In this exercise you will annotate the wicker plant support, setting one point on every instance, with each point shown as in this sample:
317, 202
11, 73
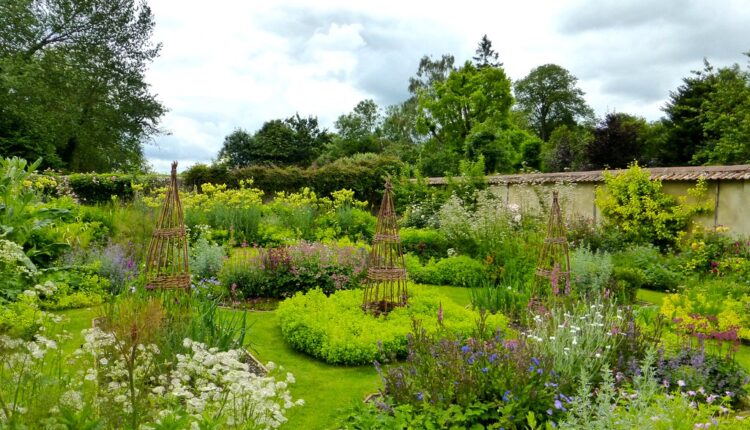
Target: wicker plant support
385, 286
167, 258
553, 269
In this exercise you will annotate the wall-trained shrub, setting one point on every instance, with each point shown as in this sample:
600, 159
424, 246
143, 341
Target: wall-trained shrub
336, 330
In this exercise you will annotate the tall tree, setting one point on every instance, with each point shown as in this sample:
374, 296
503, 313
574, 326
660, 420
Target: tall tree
726, 119
550, 98
431, 72
238, 149
566, 149
617, 141
293, 141
684, 117
485, 55
357, 131
72, 85
467, 115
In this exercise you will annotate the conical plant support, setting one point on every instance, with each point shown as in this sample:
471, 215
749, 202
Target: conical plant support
167, 258
385, 286
553, 269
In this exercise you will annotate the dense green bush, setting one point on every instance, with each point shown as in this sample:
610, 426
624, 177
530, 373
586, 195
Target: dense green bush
93, 188
337, 331
645, 267
636, 206
424, 243
459, 270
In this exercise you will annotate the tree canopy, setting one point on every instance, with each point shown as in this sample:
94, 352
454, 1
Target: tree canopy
549, 96
293, 141
72, 87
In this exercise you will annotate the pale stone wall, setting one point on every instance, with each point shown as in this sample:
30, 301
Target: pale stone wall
732, 207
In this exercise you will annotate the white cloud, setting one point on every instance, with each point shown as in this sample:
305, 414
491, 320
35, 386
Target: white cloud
232, 64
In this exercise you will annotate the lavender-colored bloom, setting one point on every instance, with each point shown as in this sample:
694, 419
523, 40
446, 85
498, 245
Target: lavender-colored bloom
420, 396
485, 370
506, 395
535, 361
465, 349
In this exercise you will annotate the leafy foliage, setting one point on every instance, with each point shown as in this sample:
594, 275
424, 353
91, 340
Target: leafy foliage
636, 205
72, 82
548, 95
335, 330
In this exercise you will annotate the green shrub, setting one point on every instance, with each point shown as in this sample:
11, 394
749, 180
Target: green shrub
634, 204
337, 331
459, 270
422, 274
645, 267
95, 188
424, 243
206, 259
591, 272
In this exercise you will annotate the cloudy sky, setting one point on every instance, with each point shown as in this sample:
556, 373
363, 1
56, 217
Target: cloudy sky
229, 64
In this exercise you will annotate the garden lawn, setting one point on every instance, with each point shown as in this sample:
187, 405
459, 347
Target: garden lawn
656, 297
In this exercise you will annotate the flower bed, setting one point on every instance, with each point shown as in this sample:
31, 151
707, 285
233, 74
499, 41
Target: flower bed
337, 331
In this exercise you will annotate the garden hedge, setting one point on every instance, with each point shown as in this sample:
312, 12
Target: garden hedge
363, 174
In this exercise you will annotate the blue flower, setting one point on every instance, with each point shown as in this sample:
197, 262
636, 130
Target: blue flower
485, 370
549, 412
559, 405
535, 361
465, 349
420, 396
493, 357
506, 395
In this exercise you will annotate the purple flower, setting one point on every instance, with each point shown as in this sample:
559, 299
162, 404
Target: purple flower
559, 405
506, 396
465, 349
420, 396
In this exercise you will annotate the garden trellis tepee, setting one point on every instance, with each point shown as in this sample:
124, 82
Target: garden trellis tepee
553, 269
167, 258
385, 287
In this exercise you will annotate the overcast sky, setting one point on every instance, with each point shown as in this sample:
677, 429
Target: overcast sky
228, 64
